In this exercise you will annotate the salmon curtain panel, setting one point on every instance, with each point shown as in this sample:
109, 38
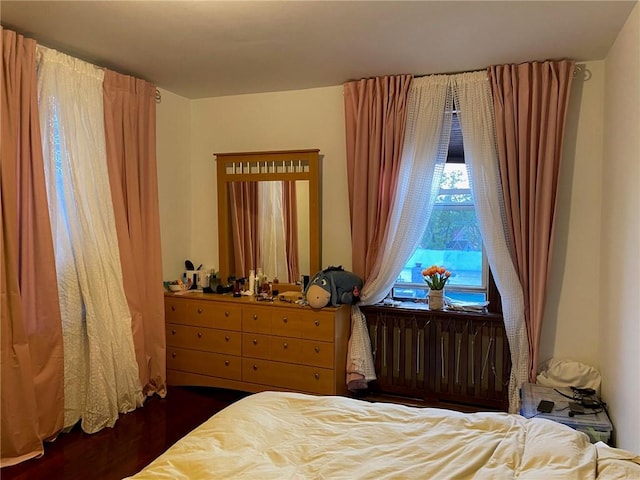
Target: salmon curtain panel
530, 103
376, 112
375, 118
243, 208
31, 335
130, 120
290, 212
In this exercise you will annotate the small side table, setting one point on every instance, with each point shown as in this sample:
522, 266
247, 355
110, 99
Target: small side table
596, 425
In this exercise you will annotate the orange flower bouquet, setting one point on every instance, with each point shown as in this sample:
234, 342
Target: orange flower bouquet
436, 277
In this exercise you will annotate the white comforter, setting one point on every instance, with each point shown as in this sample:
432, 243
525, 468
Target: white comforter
274, 435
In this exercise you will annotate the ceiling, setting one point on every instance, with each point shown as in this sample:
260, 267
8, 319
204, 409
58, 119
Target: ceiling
200, 49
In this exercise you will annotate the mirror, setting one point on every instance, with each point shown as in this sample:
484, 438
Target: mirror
269, 223
240, 176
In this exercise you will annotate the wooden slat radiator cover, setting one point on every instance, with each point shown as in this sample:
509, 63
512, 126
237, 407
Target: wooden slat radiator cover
438, 357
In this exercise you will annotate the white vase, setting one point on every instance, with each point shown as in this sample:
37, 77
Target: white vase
436, 299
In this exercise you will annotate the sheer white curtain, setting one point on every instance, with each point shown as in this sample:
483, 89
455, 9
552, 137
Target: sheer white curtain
100, 369
273, 253
423, 157
424, 154
472, 93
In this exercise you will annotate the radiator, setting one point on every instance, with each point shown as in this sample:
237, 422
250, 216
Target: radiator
440, 356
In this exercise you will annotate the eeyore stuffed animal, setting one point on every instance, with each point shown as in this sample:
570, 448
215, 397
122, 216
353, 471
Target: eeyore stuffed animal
333, 286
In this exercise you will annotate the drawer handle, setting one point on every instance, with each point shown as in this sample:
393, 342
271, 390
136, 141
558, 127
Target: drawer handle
285, 345
255, 316
226, 363
226, 314
284, 319
199, 310
316, 376
199, 334
255, 368
226, 338
317, 323
173, 332
174, 354
316, 349
255, 341
173, 308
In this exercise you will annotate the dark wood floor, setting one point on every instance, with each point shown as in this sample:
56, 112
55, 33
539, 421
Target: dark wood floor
137, 438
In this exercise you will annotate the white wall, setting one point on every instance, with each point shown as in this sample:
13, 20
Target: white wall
174, 177
620, 236
271, 121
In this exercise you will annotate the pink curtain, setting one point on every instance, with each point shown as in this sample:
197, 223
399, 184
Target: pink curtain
31, 330
530, 103
290, 213
130, 120
375, 118
243, 208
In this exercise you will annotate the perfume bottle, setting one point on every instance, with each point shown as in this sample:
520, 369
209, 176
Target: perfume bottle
252, 282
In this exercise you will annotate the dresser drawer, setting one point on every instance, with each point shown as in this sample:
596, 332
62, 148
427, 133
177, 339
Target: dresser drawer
287, 375
200, 338
286, 323
316, 380
318, 326
227, 317
200, 313
256, 320
204, 363
256, 345
285, 349
318, 354
175, 310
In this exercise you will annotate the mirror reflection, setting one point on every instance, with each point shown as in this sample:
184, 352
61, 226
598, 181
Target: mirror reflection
269, 228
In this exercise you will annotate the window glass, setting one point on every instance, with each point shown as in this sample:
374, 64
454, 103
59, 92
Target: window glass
452, 239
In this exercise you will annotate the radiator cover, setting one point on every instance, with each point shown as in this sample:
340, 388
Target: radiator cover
440, 356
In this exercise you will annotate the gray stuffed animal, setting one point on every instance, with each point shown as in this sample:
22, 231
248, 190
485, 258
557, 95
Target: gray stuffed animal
333, 286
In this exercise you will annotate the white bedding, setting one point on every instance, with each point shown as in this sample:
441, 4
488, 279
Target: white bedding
274, 435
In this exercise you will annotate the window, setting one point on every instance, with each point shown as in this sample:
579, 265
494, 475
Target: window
452, 238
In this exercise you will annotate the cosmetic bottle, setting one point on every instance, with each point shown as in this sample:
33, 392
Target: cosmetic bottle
252, 282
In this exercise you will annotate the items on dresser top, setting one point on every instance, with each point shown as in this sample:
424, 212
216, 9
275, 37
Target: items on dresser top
241, 343
291, 297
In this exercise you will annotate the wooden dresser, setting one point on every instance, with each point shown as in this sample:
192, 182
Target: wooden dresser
240, 343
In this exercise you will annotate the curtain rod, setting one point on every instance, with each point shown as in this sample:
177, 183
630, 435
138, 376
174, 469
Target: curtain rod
579, 69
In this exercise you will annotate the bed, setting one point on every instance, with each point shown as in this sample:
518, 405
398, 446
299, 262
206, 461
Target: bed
277, 435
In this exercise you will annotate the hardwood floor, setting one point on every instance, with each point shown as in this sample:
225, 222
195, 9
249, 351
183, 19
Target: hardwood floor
137, 438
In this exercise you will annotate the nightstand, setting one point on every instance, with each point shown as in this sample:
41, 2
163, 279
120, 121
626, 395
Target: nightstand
596, 425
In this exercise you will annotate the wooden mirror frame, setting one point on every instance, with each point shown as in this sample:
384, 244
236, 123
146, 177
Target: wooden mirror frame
269, 166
